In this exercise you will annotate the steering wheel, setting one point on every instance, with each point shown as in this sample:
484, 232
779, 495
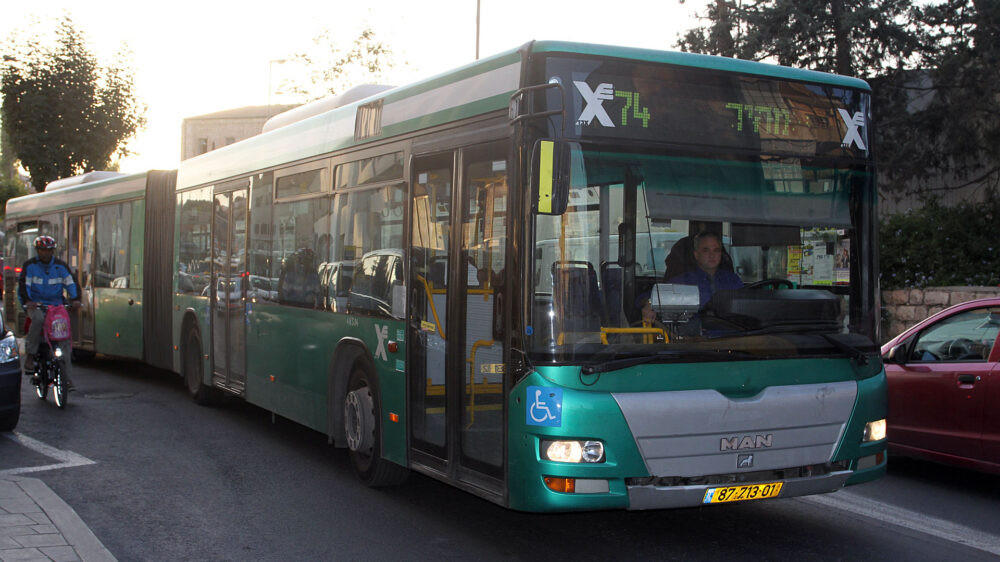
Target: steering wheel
960, 348
774, 283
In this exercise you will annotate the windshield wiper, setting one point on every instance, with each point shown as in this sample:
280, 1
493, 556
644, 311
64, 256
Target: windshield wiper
612, 364
828, 333
859, 356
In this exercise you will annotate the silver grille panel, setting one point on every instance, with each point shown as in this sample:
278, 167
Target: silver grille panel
685, 433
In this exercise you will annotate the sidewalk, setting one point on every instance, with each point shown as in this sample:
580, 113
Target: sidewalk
36, 525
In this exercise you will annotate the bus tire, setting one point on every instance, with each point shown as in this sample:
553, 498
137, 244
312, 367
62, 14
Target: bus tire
363, 429
192, 366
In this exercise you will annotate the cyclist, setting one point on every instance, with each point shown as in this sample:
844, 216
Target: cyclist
45, 280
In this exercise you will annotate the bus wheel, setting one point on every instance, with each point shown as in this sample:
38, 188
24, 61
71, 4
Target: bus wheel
362, 426
201, 393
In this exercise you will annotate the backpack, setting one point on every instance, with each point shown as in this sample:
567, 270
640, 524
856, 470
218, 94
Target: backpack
57, 326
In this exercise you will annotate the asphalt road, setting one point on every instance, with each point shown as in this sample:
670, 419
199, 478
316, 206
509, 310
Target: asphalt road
157, 477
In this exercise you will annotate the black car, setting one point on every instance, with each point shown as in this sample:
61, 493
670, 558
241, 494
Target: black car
10, 379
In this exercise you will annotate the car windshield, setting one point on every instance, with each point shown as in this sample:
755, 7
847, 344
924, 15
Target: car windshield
626, 269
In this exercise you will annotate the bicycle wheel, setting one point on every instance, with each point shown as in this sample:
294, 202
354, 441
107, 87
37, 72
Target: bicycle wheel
59, 390
41, 385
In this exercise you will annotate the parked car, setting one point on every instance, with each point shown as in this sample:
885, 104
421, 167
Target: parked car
10, 379
944, 387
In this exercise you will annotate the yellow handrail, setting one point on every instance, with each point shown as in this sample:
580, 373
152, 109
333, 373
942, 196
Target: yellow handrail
430, 300
646, 329
648, 334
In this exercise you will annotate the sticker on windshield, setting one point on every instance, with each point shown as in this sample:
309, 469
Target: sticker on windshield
544, 406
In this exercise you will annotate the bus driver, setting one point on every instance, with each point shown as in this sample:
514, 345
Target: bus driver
708, 276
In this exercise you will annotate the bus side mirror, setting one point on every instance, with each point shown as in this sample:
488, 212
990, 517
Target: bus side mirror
550, 175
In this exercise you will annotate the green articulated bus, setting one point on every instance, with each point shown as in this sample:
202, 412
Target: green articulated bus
485, 277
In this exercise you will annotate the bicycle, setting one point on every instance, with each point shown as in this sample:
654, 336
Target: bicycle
50, 363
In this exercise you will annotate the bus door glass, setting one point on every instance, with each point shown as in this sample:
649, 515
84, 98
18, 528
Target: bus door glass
81, 260
427, 342
228, 289
483, 197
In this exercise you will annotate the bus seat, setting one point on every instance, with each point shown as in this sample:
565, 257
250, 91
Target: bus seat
577, 296
612, 279
437, 272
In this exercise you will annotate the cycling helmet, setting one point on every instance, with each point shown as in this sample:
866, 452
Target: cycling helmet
45, 243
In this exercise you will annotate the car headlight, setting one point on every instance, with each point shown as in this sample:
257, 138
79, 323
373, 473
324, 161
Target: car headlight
874, 431
589, 451
8, 349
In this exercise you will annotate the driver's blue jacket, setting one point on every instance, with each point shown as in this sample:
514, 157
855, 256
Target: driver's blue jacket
45, 282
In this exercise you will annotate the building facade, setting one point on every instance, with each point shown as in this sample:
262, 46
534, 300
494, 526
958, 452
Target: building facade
205, 133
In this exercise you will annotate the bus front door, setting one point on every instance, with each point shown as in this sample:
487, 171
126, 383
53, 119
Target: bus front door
456, 363
80, 251
229, 290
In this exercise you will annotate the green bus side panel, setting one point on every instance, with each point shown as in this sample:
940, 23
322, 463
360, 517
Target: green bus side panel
872, 404
117, 324
290, 356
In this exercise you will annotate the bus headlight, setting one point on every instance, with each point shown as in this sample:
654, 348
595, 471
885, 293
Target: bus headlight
8, 349
573, 451
874, 431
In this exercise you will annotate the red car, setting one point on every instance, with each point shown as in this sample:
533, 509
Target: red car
944, 387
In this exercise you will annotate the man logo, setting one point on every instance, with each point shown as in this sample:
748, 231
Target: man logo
595, 99
853, 123
738, 443
744, 461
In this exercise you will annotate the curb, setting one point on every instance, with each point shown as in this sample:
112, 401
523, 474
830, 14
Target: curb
73, 529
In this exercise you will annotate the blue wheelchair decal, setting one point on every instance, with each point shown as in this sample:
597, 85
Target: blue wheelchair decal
544, 406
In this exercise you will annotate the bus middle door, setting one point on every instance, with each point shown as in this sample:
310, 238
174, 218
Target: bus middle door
229, 287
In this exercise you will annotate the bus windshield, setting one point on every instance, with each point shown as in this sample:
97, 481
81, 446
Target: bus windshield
617, 273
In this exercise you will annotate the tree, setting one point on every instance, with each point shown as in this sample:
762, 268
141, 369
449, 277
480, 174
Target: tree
936, 92
850, 37
63, 114
941, 123
9, 189
331, 70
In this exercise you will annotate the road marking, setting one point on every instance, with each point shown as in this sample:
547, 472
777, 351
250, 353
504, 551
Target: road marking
920, 522
67, 459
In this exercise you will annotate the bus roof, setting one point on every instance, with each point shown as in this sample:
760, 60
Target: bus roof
117, 188
696, 60
477, 88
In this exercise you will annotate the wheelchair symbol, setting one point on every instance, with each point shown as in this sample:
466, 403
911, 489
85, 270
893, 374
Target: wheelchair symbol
545, 407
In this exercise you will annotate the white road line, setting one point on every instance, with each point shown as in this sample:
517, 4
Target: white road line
913, 520
67, 459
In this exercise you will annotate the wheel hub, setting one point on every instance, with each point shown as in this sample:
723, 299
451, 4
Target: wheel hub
359, 420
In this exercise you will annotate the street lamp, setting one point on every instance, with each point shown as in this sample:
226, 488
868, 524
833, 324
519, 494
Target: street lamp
478, 2
270, 70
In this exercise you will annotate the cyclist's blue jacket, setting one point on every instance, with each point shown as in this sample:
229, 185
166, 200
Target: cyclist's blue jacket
45, 282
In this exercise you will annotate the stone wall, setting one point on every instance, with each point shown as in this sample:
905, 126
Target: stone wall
903, 308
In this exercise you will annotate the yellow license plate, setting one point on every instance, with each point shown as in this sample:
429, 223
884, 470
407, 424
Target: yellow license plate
742, 493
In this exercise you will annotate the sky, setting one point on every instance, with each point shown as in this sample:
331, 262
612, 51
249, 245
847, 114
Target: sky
192, 58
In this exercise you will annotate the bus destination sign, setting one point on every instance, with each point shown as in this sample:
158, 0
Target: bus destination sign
675, 104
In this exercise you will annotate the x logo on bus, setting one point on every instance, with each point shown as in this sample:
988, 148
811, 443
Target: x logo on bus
853, 123
595, 99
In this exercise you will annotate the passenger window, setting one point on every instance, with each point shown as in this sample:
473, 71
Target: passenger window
194, 247
301, 244
114, 228
367, 249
